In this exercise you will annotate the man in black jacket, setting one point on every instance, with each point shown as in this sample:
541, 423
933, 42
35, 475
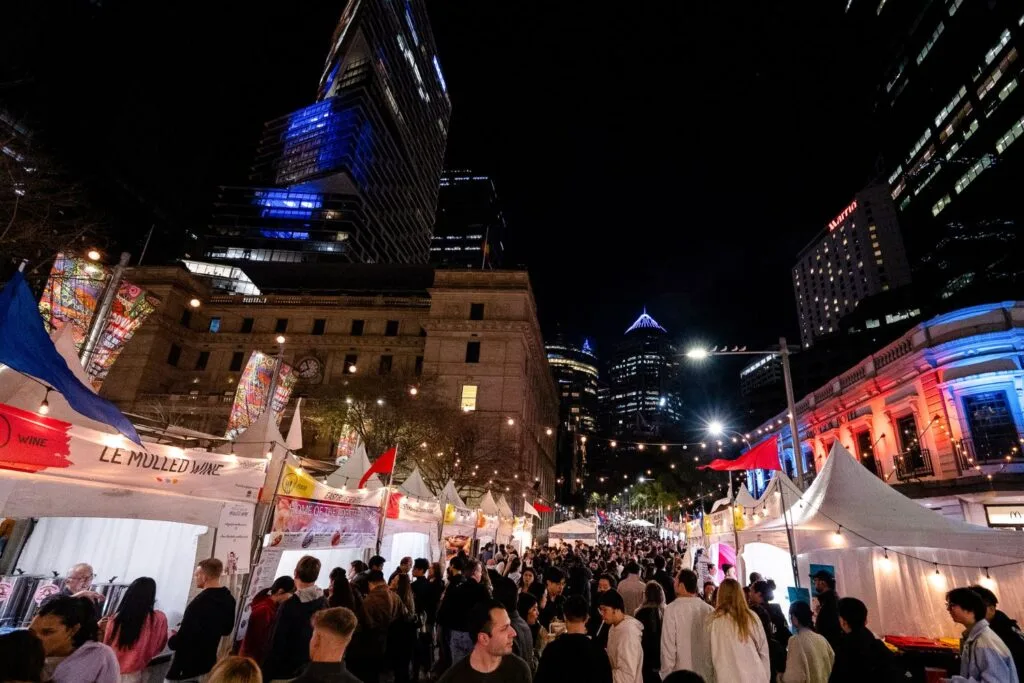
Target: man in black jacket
1003, 626
288, 651
553, 601
458, 602
332, 632
827, 621
209, 616
664, 578
860, 656
573, 656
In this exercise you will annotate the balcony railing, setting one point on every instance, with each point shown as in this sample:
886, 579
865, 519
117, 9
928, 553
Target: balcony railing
914, 464
971, 452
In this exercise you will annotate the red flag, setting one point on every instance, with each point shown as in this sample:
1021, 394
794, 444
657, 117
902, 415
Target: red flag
763, 456
383, 465
394, 505
541, 507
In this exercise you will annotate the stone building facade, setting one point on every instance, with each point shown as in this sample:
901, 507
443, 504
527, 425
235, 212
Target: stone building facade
473, 334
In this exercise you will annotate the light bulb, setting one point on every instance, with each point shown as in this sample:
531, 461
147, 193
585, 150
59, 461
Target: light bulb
44, 407
93, 255
194, 302
270, 454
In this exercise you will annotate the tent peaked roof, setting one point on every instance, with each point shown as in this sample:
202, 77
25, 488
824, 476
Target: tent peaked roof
257, 438
352, 470
488, 506
744, 498
415, 486
451, 495
873, 513
504, 509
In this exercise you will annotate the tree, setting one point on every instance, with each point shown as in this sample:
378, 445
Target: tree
42, 211
445, 442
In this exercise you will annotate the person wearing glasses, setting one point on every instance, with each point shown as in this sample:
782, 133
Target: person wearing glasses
983, 655
78, 584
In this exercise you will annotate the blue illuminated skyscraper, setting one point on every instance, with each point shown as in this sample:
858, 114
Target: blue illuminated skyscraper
354, 176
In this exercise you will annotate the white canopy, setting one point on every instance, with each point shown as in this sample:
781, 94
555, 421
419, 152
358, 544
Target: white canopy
574, 530
352, 470
744, 498
780, 490
504, 509
488, 506
415, 486
639, 522
872, 513
451, 496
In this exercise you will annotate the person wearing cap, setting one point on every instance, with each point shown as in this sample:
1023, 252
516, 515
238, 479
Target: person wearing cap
827, 621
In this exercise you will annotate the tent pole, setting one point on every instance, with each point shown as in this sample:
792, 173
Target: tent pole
789, 534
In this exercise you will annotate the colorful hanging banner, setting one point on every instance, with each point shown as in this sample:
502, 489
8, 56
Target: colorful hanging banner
347, 443
253, 388
311, 524
71, 296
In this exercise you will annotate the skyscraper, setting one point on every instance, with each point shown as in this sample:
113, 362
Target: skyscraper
470, 227
354, 176
575, 371
858, 254
950, 110
643, 382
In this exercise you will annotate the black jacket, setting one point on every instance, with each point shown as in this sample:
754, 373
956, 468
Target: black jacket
650, 618
209, 616
1009, 632
288, 651
862, 658
427, 595
458, 602
326, 672
667, 585
554, 609
573, 657
827, 623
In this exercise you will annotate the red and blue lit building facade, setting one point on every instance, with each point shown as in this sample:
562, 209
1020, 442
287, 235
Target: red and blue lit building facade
354, 176
937, 413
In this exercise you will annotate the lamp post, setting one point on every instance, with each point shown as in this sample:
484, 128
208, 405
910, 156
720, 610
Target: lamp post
783, 352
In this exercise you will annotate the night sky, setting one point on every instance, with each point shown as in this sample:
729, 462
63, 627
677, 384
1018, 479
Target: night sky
669, 154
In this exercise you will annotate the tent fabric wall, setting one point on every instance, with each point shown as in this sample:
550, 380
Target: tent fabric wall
125, 548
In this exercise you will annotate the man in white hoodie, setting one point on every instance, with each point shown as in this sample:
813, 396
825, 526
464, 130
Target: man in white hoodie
625, 651
685, 638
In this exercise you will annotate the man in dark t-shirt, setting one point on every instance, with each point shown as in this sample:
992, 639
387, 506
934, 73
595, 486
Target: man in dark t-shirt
491, 660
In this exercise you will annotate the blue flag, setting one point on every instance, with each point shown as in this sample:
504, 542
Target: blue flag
26, 347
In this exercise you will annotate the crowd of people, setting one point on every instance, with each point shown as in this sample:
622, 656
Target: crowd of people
624, 611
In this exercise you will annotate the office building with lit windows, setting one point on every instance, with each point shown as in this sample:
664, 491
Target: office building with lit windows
950, 111
352, 177
643, 397
574, 368
858, 254
469, 230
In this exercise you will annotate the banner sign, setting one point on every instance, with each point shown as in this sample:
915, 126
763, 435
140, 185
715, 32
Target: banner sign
234, 537
71, 297
72, 293
41, 445
310, 524
131, 306
347, 443
295, 482
453, 544
253, 388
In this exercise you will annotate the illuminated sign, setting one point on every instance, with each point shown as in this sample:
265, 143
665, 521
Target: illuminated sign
842, 216
1005, 515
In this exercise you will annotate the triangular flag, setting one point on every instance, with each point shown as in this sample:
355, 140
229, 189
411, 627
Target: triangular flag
529, 509
384, 464
294, 439
763, 456
541, 507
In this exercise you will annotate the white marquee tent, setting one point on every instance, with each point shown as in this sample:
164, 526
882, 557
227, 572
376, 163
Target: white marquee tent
573, 530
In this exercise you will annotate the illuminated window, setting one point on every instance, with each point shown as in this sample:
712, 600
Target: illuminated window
1016, 130
950, 106
972, 173
214, 325
919, 144
468, 401
928, 46
954, 5
994, 77
940, 205
1004, 38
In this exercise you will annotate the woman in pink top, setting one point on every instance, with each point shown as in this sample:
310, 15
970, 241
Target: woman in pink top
137, 633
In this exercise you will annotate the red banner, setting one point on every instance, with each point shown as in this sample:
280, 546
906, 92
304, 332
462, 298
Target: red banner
31, 442
763, 456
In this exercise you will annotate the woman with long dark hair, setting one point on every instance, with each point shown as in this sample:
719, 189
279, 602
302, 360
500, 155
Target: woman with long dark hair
261, 617
402, 631
67, 626
651, 614
341, 590
137, 632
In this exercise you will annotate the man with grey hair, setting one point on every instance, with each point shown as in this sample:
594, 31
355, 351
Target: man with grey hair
78, 584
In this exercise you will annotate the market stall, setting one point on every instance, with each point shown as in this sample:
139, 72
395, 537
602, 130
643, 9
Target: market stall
506, 521
573, 530
886, 549
458, 527
414, 531
488, 520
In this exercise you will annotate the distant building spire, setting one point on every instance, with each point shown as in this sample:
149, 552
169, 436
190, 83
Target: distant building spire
645, 322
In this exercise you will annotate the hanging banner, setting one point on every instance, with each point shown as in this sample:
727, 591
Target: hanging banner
234, 537
253, 388
347, 443
41, 445
71, 295
295, 482
130, 308
455, 543
739, 521
311, 524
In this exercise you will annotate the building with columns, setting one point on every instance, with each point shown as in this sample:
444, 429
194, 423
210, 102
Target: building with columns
474, 334
936, 413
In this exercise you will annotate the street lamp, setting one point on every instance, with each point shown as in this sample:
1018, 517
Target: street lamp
783, 352
715, 428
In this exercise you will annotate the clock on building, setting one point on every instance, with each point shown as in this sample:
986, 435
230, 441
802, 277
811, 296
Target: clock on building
309, 368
